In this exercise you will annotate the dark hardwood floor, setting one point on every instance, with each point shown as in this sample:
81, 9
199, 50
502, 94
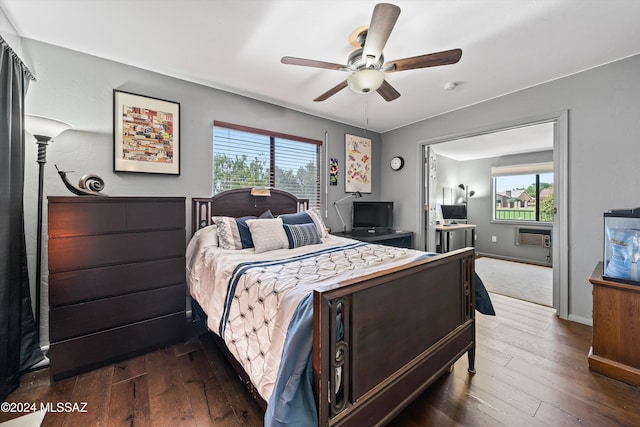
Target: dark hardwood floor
531, 371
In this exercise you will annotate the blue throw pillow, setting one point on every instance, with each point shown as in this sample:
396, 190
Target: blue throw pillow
245, 234
302, 234
296, 218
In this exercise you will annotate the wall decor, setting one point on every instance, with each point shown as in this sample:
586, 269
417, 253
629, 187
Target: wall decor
146, 134
89, 184
333, 171
357, 164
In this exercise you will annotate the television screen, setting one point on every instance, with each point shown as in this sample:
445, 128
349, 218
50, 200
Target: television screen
372, 215
454, 212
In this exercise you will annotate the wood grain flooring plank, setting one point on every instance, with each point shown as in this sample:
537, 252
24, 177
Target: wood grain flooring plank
92, 391
61, 391
208, 399
128, 369
248, 411
129, 404
167, 401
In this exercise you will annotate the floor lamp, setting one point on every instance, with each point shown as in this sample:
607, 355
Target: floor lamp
43, 129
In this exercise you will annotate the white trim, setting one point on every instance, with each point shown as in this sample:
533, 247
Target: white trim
504, 170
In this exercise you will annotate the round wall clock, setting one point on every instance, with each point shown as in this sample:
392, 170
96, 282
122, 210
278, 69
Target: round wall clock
397, 163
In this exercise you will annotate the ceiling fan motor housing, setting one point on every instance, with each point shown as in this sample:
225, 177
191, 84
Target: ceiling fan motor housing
356, 61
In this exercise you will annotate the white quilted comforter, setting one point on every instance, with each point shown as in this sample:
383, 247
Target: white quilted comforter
250, 298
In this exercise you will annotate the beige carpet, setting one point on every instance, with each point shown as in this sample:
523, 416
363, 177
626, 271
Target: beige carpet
527, 282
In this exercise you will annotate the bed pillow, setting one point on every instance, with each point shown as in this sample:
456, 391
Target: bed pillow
243, 229
302, 235
317, 219
306, 217
207, 236
268, 234
228, 233
266, 214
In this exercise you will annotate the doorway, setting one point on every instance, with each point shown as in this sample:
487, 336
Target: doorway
434, 164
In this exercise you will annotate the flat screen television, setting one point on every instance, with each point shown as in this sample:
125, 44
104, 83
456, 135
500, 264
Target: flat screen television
454, 212
372, 215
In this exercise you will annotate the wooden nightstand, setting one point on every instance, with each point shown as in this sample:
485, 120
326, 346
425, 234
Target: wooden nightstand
116, 279
400, 239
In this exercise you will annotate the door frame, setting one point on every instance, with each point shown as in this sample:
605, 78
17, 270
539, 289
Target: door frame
560, 233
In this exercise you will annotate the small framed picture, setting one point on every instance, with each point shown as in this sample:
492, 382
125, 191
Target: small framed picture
146, 134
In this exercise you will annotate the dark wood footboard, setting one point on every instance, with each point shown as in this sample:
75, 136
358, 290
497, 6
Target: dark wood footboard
381, 339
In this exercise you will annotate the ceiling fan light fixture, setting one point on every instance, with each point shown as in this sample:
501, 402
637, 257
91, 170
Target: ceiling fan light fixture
365, 80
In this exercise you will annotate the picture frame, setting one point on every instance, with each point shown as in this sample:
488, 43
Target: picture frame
357, 164
146, 134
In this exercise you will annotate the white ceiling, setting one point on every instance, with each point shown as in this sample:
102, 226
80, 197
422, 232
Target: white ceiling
236, 45
526, 139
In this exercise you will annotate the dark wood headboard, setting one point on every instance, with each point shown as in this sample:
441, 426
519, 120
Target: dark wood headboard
240, 202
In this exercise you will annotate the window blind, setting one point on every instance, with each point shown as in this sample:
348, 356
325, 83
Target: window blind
249, 157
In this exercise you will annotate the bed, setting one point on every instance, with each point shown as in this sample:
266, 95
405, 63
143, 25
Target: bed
326, 330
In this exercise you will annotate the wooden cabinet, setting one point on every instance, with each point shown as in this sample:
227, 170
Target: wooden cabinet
400, 239
116, 279
615, 351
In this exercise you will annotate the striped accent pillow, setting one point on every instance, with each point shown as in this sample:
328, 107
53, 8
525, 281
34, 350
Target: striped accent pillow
302, 234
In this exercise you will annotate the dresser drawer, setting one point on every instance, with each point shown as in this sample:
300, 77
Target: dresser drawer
76, 253
76, 286
78, 319
80, 354
89, 216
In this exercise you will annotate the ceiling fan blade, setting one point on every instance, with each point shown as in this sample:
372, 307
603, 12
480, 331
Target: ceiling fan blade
446, 57
311, 63
388, 92
331, 91
382, 22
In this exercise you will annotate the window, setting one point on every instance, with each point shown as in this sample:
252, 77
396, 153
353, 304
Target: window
523, 192
249, 157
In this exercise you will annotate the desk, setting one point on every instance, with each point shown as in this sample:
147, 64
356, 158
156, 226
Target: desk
446, 230
400, 239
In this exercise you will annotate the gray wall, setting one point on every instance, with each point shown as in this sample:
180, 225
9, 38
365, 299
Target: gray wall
603, 154
78, 88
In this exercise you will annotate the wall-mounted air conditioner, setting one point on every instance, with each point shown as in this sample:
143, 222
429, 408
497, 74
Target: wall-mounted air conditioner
540, 237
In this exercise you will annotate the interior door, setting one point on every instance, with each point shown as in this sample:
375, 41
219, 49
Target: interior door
430, 211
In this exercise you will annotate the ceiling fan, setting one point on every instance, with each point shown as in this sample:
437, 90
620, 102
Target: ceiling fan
366, 63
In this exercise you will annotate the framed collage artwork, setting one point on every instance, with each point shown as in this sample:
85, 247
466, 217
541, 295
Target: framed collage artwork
146, 134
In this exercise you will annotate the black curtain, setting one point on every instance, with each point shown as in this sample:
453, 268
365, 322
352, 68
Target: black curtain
19, 346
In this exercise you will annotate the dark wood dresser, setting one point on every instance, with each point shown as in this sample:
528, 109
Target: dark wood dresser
116, 279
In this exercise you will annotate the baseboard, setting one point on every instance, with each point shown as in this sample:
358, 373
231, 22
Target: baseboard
514, 259
579, 319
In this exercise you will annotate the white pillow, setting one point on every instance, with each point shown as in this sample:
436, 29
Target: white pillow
317, 219
228, 233
208, 235
268, 234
